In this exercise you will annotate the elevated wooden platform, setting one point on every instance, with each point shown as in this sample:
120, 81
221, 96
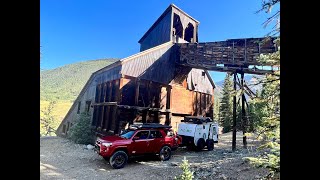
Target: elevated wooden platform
227, 56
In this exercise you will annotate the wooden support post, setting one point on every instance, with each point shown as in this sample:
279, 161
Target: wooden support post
97, 109
144, 116
168, 105
234, 132
156, 117
136, 97
108, 99
117, 121
243, 115
149, 100
104, 91
168, 118
135, 114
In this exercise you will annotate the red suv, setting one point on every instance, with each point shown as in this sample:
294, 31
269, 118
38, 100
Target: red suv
148, 138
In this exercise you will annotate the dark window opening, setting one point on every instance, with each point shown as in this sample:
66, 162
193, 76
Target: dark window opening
128, 94
68, 126
64, 128
155, 91
188, 33
79, 106
115, 87
177, 26
88, 104
103, 93
143, 100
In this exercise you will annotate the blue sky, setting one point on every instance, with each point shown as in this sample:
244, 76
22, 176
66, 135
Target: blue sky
80, 30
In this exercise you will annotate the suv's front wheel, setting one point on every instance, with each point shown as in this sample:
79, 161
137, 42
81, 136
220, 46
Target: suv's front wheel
165, 153
118, 159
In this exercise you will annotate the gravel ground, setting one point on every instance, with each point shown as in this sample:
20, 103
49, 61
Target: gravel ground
62, 159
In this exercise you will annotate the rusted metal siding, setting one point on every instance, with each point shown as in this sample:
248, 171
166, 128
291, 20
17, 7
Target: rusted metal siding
159, 34
156, 65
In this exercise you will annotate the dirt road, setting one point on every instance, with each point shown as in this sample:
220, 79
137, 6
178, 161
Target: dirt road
62, 159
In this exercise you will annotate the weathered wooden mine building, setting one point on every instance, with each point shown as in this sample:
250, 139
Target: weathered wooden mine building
148, 86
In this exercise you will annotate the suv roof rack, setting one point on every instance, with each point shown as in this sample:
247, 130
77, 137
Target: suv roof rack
149, 125
196, 119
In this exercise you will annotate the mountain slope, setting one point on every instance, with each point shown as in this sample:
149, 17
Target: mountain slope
66, 82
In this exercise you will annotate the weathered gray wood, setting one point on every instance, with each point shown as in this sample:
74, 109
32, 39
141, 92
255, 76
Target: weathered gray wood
234, 128
239, 52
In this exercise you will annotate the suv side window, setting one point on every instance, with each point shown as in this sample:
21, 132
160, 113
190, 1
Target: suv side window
155, 134
142, 134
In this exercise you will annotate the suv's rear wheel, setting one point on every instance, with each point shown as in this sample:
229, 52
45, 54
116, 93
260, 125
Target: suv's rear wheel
118, 159
165, 153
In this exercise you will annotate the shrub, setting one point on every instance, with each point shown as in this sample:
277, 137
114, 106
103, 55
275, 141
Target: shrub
80, 132
186, 174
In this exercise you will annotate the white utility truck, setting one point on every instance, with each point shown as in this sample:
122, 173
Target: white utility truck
198, 132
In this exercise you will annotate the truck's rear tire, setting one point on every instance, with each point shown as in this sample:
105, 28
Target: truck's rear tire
118, 159
200, 144
210, 144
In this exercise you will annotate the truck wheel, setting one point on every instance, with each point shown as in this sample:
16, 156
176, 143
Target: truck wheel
200, 144
165, 153
118, 159
210, 144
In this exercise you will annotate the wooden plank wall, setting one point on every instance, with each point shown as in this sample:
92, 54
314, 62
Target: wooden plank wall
104, 117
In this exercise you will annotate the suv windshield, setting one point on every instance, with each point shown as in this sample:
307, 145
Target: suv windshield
127, 134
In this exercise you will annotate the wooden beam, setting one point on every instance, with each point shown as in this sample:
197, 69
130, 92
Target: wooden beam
243, 115
108, 99
136, 96
214, 67
105, 104
144, 116
168, 105
104, 92
234, 131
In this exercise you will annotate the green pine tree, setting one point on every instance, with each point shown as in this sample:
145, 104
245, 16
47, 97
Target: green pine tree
226, 104
186, 174
80, 132
48, 124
